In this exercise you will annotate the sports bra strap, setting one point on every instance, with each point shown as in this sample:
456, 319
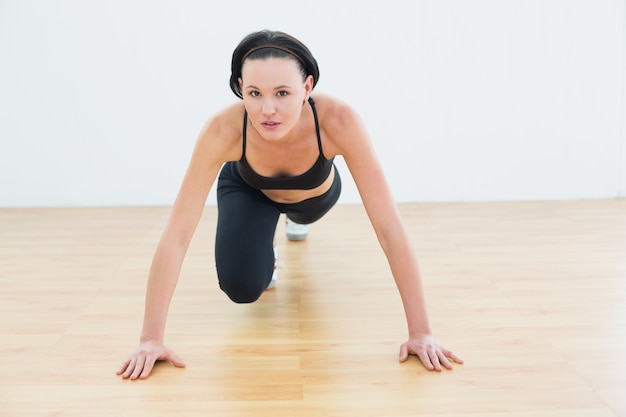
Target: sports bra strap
317, 126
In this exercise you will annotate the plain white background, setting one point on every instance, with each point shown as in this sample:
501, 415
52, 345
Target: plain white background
465, 100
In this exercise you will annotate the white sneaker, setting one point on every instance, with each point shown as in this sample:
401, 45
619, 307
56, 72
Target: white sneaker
296, 231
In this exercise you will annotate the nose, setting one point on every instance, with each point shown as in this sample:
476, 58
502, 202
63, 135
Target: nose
269, 107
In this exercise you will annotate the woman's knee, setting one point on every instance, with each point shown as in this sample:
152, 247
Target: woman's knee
242, 288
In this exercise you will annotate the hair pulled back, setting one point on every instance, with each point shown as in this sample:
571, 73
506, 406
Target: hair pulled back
271, 44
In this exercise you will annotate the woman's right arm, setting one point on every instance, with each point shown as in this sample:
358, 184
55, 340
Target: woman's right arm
217, 143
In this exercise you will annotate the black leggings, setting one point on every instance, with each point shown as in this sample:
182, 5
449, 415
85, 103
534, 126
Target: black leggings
246, 224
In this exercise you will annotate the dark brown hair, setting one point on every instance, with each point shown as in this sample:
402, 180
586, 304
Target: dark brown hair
271, 44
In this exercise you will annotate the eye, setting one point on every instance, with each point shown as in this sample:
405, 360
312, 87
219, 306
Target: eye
254, 93
282, 93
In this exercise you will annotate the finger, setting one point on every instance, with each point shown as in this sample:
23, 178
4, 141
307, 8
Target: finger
444, 360
147, 367
404, 353
123, 367
453, 356
175, 360
139, 365
434, 359
423, 355
129, 369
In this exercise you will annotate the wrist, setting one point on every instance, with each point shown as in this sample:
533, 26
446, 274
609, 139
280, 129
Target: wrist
144, 338
420, 329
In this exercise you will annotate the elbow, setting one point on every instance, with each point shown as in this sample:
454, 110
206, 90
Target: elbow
392, 235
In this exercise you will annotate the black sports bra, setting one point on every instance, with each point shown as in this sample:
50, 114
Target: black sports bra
314, 177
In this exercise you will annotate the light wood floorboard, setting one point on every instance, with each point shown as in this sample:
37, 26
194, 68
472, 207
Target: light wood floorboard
531, 294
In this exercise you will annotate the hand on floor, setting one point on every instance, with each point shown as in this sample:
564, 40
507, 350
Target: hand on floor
141, 361
432, 355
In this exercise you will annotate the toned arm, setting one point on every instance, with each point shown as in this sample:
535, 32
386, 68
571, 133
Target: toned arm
218, 142
350, 138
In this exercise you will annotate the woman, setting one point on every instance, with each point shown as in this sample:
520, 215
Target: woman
274, 154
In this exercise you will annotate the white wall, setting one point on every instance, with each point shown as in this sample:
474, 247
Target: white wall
622, 192
101, 102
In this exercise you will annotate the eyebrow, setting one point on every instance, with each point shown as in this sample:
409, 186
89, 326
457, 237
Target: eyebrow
280, 87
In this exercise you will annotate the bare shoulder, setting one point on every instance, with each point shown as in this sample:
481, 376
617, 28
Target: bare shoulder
222, 132
340, 123
334, 114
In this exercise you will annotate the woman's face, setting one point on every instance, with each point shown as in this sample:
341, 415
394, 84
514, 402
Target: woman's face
273, 94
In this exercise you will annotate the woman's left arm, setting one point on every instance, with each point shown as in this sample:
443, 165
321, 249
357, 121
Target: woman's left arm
354, 144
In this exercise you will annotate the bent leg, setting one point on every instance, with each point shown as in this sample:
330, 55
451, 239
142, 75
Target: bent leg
244, 254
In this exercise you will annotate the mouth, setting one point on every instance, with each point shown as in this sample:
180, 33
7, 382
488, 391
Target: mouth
270, 124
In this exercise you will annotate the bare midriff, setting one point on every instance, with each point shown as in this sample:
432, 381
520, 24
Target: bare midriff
296, 196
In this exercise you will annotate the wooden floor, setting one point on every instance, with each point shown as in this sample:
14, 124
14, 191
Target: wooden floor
531, 295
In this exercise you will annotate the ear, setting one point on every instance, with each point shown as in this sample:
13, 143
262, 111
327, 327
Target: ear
308, 87
240, 81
